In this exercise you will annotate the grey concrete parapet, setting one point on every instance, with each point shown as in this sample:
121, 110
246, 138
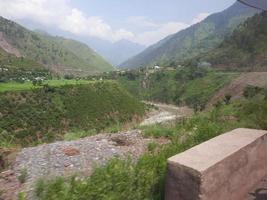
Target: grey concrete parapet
223, 168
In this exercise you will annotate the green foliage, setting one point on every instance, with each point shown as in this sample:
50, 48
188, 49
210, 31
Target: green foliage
158, 131
68, 56
74, 135
252, 91
192, 86
20, 69
46, 114
27, 86
254, 112
144, 179
227, 99
244, 49
22, 196
23, 176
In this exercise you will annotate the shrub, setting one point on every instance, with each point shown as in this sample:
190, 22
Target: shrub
23, 176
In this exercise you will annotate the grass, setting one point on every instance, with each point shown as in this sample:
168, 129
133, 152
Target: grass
47, 114
23, 176
199, 91
74, 135
144, 179
14, 86
187, 86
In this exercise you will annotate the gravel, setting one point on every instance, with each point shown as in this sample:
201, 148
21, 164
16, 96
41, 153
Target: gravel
66, 158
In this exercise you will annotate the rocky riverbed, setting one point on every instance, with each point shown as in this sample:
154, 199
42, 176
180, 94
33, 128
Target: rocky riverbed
66, 158
165, 113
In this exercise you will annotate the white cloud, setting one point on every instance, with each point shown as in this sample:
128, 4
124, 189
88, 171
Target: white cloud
59, 13
200, 17
151, 37
142, 21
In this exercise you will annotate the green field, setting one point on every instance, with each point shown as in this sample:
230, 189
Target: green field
13, 86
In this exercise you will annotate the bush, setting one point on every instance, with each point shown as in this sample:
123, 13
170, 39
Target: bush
23, 176
252, 91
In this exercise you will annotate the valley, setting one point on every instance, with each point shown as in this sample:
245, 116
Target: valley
74, 127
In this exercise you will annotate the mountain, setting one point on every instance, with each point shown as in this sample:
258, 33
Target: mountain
57, 54
20, 69
245, 49
82, 51
117, 52
194, 40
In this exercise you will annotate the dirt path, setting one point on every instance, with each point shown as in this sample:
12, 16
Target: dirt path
165, 113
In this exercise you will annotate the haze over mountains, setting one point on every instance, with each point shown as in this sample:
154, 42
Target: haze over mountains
114, 52
117, 52
196, 39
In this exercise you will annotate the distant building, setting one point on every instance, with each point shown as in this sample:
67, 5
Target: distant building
204, 64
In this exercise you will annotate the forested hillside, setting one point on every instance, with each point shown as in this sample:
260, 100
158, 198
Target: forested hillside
245, 49
57, 54
194, 40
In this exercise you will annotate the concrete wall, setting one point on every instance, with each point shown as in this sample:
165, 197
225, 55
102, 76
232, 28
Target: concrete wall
223, 168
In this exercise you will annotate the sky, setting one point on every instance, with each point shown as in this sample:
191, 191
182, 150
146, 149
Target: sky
140, 21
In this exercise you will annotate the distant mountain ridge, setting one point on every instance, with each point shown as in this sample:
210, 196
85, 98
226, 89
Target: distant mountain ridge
194, 40
57, 54
117, 52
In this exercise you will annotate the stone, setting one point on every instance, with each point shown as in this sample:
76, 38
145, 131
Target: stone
71, 151
7, 173
225, 167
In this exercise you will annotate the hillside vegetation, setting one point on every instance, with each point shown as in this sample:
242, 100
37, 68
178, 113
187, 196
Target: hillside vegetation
85, 53
59, 55
20, 69
26, 86
46, 114
245, 49
144, 179
190, 86
194, 40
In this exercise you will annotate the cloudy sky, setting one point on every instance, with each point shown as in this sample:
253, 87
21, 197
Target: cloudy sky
141, 21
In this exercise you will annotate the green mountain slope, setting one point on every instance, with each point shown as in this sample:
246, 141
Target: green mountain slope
245, 49
11, 61
20, 69
196, 39
43, 115
85, 53
51, 51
